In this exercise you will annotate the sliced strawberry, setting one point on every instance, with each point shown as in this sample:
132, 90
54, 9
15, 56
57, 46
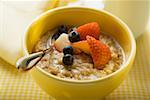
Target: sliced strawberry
82, 45
100, 52
91, 29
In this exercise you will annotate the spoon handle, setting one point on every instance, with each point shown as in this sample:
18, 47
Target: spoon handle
25, 62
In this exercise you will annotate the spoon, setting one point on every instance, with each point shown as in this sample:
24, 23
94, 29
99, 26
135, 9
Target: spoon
25, 63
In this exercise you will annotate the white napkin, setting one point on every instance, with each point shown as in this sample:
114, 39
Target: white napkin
14, 18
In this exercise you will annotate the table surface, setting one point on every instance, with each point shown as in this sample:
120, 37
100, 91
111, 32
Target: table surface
16, 85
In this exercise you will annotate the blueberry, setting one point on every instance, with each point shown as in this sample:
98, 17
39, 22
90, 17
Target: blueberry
62, 29
56, 36
74, 36
68, 50
68, 59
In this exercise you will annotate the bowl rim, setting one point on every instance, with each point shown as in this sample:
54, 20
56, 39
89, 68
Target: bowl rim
123, 66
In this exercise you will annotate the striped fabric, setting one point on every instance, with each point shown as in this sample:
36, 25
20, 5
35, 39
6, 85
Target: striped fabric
16, 85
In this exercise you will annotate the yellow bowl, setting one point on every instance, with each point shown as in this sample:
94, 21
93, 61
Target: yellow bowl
86, 89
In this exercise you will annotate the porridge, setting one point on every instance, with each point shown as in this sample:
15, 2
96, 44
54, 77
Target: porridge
82, 53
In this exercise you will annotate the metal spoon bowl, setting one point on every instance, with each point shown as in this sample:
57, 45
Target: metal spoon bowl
24, 63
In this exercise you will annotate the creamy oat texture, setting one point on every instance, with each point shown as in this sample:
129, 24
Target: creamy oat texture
82, 68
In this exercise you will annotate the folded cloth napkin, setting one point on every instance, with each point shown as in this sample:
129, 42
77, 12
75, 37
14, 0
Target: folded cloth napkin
13, 23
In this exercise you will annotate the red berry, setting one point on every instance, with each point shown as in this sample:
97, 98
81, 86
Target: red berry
100, 52
91, 29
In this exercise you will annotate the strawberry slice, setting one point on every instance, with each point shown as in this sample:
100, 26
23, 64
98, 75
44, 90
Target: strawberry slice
100, 52
91, 29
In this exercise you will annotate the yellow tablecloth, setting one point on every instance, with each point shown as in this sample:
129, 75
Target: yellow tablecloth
16, 85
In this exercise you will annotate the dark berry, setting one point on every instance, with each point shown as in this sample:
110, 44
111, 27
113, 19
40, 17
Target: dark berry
68, 50
56, 36
74, 36
62, 29
68, 59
